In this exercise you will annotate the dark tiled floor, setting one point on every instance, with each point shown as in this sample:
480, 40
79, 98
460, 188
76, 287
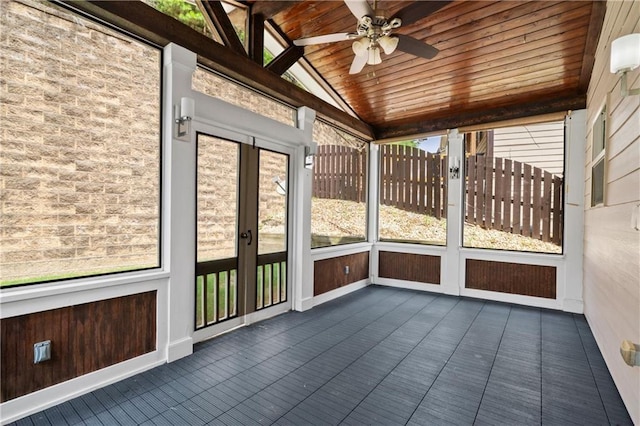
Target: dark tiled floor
378, 356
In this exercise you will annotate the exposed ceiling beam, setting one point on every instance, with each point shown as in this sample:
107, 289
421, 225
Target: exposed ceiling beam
146, 22
268, 9
598, 9
430, 124
218, 17
256, 38
281, 63
282, 38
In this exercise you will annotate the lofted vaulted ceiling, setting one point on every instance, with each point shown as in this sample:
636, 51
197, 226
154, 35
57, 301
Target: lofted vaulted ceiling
497, 60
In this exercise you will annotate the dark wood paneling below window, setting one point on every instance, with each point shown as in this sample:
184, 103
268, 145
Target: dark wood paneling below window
513, 278
84, 338
329, 274
421, 268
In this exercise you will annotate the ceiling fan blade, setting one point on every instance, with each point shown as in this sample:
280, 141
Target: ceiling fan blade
416, 47
418, 10
327, 38
359, 8
359, 61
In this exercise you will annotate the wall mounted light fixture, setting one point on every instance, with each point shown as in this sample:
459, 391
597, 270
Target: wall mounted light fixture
310, 152
184, 115
625, 57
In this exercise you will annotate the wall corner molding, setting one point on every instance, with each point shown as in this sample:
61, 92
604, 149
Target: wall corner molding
179, 349
573, 305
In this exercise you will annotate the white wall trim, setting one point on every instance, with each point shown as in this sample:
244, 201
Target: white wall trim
410, 285
512, 257
336, 251
334, 294
516, 299
26, 300
572, 305
34, 402
411, 248
179, 349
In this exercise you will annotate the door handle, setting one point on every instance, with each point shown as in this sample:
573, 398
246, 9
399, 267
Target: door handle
247, 235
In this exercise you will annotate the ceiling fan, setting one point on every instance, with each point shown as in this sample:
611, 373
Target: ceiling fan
374, 32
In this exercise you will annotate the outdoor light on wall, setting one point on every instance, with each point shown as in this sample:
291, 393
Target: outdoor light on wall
310, 152
454, 168
625, 57
184, 115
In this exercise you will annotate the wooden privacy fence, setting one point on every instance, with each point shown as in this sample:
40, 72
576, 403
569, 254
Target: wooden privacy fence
501, 194
340, 172
514, 197
414, 180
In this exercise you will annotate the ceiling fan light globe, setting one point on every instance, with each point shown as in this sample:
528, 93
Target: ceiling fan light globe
374, 56
359, 47
388, 44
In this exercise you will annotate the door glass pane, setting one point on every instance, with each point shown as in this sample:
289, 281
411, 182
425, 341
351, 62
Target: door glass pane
271, 279
217, 224
272, 202
218, 163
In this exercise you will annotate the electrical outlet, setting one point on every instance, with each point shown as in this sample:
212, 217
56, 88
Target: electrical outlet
41, 351
346, 270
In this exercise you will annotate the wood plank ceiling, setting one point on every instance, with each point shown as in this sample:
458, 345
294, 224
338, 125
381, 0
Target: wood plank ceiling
497, 60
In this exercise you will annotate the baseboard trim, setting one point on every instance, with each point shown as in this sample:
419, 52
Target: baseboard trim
179, 349
573, 305
339, 292
35, 402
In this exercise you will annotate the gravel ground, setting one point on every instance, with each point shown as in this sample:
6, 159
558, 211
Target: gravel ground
337, 218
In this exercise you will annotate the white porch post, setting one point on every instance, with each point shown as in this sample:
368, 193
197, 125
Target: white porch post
570, 285
302, 268
450, 277
179, 204
373, 210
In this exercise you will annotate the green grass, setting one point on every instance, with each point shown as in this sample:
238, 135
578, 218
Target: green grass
269, 290
225, 282
65, 276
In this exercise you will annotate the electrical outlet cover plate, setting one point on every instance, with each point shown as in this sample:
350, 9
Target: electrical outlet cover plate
41, 351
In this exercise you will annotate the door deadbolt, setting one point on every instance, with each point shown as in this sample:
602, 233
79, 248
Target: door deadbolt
247, 235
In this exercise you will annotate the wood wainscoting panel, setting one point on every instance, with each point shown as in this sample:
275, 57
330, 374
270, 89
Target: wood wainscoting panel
329, 274
513, 278
420, 268
84, 338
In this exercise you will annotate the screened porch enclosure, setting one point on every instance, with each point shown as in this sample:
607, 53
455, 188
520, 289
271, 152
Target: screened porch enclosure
504, 194
205, 233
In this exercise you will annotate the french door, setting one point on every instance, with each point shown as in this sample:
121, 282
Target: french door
241, 235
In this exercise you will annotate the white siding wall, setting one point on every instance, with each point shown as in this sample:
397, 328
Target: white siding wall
611, 245
541, 145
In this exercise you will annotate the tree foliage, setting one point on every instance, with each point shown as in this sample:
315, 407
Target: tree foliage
185, 12
412, 143
190, 15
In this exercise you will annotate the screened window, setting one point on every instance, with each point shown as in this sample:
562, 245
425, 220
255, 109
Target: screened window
599, 138
413, 191
80, 151
514, 179
339, 197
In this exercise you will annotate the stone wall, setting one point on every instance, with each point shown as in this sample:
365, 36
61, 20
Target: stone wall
79, 168
80, 148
